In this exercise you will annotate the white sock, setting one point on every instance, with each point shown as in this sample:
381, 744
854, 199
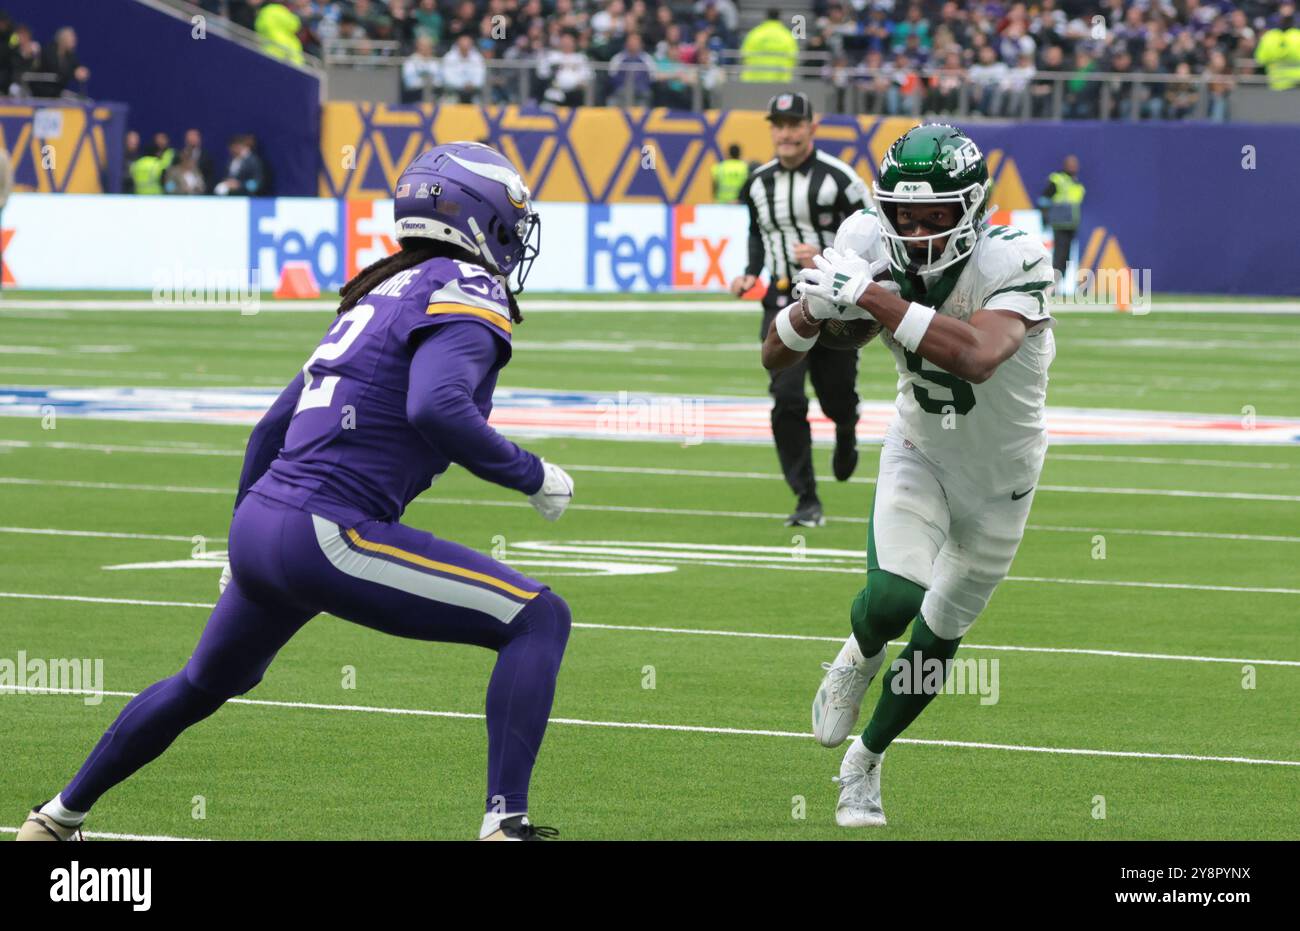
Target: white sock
493, 821
66, 816
867, 755
850, 653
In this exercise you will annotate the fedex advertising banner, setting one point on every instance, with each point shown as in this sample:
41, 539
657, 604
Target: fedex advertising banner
89, 242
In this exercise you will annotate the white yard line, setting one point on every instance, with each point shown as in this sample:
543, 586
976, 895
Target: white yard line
106, 835
748, 635
704, 729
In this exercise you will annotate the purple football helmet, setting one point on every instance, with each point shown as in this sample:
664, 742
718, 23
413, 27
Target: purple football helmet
469, 195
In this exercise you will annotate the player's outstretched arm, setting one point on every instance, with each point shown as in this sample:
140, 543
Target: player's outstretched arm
267, 438
446, 371
785, 335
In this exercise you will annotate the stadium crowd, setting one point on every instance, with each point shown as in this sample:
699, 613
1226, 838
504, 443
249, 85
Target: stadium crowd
896, 56
32, 68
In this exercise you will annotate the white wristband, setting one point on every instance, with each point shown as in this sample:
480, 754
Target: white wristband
913, 326
785, 329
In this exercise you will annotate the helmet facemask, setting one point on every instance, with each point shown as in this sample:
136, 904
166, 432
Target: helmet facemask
970, 201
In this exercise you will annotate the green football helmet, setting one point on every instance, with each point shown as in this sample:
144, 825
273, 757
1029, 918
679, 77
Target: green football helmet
932, 164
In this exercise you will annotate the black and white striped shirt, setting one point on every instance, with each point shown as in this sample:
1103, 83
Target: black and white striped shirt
803, 204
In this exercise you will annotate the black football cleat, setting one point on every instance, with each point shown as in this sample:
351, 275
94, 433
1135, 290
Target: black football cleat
520, 828
807, 514
845, 458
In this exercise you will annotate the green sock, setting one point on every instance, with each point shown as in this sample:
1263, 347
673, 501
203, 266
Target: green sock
897, 709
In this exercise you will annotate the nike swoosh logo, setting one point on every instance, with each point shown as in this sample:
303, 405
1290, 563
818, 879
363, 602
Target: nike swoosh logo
1028, 266
1017, 497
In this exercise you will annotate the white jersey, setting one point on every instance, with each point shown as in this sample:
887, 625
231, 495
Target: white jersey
993, 434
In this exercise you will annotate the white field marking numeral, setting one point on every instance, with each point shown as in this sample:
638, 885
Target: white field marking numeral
354, 321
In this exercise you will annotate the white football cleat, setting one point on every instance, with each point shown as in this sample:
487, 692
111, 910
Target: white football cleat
859, 779
838, 700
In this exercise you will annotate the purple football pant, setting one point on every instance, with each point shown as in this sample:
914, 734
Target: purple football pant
289, 566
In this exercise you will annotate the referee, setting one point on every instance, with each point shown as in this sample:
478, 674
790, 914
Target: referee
796, 203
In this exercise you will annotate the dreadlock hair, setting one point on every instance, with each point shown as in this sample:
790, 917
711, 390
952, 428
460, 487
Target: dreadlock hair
413, 251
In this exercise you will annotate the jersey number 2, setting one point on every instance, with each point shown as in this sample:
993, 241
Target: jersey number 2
348, 328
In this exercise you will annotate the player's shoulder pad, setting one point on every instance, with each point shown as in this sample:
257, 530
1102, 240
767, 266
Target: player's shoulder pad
452, 289
859, 234
1008, 256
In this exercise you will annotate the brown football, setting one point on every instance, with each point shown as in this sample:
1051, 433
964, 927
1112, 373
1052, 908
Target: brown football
848, 334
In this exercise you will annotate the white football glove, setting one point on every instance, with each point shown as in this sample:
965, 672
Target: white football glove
555, 494
225, 578
838, 280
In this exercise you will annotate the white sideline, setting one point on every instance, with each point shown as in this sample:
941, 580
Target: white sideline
106, 835
702, 729
748, 635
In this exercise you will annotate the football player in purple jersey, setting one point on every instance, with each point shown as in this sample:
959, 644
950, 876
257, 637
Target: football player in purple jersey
399, 388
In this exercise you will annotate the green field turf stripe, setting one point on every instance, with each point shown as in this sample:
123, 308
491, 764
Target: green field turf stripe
197, 449
747, 635
705, 729
108, 534
629, 509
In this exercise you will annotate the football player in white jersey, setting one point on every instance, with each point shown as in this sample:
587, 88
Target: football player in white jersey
963, 309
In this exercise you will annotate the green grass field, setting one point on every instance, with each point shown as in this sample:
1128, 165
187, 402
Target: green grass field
1122, 678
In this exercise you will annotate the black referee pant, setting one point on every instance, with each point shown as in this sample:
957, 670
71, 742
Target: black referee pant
834, 378
1061, 242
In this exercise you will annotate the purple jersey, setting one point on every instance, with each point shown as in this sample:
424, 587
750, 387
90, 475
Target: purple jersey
391, 396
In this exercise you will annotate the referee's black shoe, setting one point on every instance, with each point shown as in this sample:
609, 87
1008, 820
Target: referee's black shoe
807, 514
845, 458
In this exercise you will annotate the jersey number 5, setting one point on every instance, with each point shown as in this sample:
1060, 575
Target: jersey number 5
348, 328
963, 395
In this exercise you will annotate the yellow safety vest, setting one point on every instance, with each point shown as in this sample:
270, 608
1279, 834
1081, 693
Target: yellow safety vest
278, 27
728, 178
769, 53
1070, 192
147, 172
1279, 52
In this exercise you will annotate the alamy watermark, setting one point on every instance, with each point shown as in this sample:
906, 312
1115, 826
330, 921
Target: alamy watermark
34, 676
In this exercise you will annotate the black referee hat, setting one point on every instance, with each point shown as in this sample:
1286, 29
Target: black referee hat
791, 106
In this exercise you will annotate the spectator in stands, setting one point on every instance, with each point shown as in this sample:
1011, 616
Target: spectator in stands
1152, 93
944, 84
421, 73
872, 83
464, 20
428, 21
770, 51
524, 55
194, 150
60, 60
1120, 89
1081, 94
1180, 96
631, 73
567, 72
130, 152
1221, 84
245, 175
184, 177
1015, 87
1042, 92
463, 72
671, 88
912, 25
24, 59
988, 80
903, 94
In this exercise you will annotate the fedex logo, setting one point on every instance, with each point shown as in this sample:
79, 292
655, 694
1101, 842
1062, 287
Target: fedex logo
369, 230
284, 229
628, 247
702, 244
